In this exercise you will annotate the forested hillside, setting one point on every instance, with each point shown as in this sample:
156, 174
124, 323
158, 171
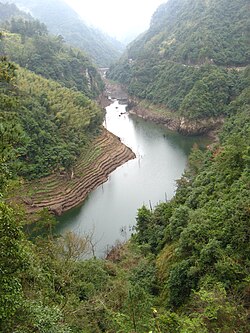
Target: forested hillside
53, 123
186, 269
55, 120
28, 43
195, 32
192, 59
61, 19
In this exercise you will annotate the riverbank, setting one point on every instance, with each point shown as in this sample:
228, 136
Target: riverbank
111, 209
161, 115
60, 192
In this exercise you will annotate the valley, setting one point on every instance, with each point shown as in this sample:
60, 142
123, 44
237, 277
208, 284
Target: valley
134, 219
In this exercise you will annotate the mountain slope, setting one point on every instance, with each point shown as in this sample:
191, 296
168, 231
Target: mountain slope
200, 239
192, 59
54, 124
186, 268
7, 11
29, 44
194, 32
61, 19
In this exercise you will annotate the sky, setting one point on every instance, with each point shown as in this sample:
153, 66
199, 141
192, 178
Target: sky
119, 18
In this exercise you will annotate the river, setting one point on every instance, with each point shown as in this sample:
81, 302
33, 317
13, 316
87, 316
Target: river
109, 212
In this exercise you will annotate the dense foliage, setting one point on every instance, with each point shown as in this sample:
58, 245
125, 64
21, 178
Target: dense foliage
53, 125
61, 19
201, 238
27, 43
194, 32
56, 123
191, 59
185, 270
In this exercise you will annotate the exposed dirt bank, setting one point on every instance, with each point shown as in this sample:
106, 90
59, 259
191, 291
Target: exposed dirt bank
161, 115
61, 192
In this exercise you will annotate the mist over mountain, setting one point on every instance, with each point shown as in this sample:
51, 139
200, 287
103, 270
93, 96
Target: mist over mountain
192, 59
61, 19
185, 268
10, 10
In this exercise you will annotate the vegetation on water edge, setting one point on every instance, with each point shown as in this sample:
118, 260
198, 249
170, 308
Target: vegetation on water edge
55, 124
186, 268
192, 59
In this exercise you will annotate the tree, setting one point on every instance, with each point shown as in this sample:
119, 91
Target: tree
13, 262
143, 220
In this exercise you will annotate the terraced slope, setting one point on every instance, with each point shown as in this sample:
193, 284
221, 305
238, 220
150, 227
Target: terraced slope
61, 192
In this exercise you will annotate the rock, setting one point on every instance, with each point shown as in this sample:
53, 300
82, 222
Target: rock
173, 122
199, 126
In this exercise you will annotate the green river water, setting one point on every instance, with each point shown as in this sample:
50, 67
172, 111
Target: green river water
109, 211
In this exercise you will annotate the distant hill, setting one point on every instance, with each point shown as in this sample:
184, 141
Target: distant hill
7, 11
61, 19
26, 41
192, 59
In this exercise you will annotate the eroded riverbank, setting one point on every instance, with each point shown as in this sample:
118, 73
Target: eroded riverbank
161, 115
109, 212
60, 192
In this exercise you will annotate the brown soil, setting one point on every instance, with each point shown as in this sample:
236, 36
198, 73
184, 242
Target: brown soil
155, 113
61, 192
161, 115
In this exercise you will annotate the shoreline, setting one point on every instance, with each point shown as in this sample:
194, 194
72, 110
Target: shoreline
160, 114
61, 192
187, 127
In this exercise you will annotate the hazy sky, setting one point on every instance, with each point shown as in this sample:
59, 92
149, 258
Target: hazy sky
117, 17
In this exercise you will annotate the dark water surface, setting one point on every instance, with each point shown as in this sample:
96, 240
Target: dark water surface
109, 212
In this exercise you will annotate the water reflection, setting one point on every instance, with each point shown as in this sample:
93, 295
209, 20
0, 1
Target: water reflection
109, 211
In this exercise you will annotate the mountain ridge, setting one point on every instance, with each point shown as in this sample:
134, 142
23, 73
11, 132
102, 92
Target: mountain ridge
61, 19
192, 60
